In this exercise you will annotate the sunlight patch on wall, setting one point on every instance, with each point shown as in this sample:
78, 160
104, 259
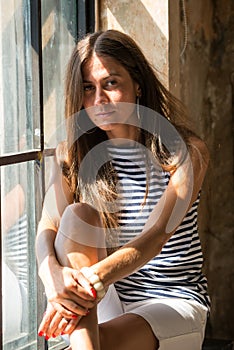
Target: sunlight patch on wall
112, 21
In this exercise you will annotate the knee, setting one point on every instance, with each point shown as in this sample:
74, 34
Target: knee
82, 224
82, 212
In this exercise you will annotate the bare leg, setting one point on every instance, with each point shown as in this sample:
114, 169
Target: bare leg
127, 332
86, 335
72, 253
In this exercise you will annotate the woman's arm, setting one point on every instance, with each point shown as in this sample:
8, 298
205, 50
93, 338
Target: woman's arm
60, 282
182, 190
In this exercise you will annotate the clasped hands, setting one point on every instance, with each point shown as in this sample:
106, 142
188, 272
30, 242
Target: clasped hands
70, 296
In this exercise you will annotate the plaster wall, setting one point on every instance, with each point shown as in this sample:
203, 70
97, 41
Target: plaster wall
196, 62
146, 22
205, 84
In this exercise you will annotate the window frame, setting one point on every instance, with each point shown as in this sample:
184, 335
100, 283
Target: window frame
86, 22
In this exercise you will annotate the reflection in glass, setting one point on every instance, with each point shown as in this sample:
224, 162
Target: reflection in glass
17, 100
18, 256
59, 31
21, 190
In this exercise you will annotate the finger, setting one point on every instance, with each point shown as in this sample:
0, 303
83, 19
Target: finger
72, 324
64, 308
53, 326
72, 299
82, 297
71, 277
85, 283
61, 327
47, 318
69, 309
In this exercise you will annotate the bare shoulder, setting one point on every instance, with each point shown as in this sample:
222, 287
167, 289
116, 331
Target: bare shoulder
61, 153
192, 172
199, 150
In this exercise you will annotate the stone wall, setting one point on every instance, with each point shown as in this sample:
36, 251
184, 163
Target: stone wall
196, 61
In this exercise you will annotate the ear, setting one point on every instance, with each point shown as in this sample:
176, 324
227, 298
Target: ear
138, 90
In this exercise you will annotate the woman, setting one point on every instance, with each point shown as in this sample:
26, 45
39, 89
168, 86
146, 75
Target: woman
123, 210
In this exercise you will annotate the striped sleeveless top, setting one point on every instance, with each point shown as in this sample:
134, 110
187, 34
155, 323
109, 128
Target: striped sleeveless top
177, 271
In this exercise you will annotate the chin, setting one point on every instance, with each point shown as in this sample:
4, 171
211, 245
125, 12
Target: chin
107, 127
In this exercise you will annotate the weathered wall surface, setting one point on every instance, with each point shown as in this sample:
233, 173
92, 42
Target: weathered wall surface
206, 87
146, 21
203, 77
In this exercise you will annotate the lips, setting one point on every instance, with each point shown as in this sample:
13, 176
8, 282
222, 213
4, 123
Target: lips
104, 117
104, 114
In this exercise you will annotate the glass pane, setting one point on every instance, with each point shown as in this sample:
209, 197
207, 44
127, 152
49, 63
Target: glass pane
59, 32
18, 126
19, 274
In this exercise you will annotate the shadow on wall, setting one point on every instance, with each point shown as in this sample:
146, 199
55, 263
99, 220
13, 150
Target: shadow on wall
135, 19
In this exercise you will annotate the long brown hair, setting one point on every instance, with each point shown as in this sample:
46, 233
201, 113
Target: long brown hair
154, 96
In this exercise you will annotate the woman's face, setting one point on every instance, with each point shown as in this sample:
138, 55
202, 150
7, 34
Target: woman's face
109, 95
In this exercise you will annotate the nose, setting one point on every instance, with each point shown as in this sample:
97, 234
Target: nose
101, 97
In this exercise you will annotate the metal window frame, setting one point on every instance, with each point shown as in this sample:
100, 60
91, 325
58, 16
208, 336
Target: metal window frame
87, 22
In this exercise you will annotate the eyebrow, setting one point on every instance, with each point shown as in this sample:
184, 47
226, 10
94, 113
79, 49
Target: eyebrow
105, 78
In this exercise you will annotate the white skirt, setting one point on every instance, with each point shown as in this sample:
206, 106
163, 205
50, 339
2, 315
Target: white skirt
178, 324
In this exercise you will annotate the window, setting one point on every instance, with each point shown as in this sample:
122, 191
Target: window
36, 39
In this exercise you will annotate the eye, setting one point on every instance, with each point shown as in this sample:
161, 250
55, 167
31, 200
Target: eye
111, 83
88, 87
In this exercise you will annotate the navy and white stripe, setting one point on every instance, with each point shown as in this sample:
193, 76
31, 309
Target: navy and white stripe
177, 271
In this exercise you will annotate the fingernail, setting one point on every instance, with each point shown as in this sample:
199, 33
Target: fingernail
54, 336
74, 316
47, 338
87, 312
63, 333
40, 334
94, 293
